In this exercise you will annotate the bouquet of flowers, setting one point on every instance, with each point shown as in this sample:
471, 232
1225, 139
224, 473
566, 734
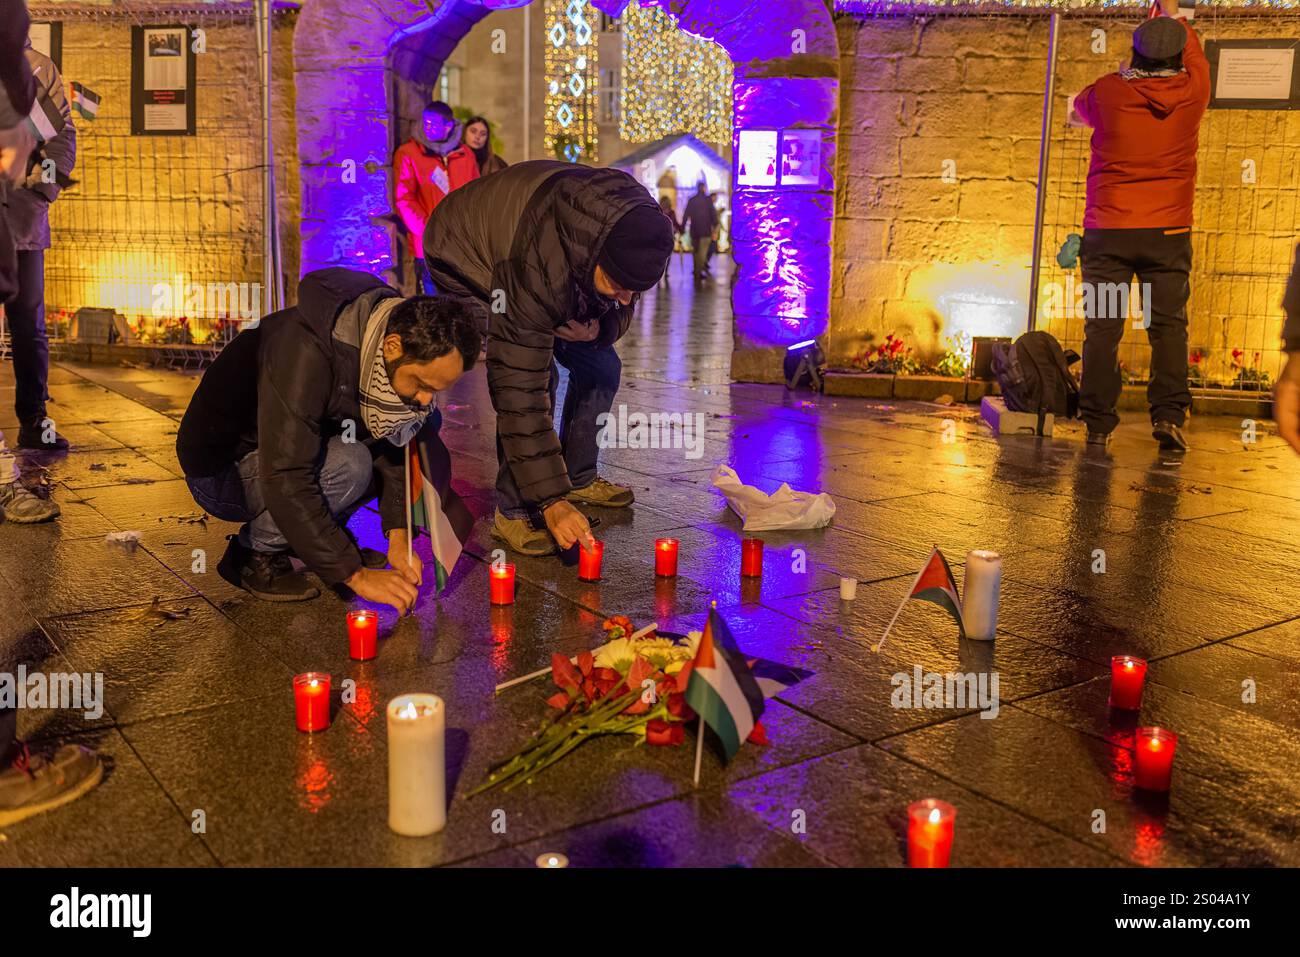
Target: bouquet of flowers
893, 356
630, 685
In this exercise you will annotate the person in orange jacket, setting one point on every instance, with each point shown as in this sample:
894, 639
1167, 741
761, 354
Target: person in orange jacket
1141, 185
427, 167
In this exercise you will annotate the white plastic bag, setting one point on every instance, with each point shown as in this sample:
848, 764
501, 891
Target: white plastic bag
783, 509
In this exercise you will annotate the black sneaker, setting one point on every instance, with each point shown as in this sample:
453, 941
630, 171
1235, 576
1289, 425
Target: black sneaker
1169, 436
269, 576
32, 435
1099, 438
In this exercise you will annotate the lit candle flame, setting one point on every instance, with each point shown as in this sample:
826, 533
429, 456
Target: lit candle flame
935, 815
409, 711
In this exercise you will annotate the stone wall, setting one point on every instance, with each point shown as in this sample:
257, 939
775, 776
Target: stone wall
919, 253
149, 208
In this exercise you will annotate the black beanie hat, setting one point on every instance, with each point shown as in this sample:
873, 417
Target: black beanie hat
1160, 39
637, 249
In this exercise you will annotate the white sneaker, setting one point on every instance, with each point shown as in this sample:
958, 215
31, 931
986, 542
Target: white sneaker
21, 506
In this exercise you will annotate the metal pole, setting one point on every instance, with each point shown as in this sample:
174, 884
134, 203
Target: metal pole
272, 290
1044, 155
528, 83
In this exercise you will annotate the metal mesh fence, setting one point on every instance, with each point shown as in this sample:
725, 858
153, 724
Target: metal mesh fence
166, 231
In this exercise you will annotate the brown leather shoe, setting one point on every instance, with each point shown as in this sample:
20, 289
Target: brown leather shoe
603, 493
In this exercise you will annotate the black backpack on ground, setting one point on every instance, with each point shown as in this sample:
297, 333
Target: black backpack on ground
1034, 373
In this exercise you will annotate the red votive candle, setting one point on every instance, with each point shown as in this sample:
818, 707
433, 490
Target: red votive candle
929, 833
666, 557
501, 584
751, 557
1153, 758
1127, 675
311, 698
363, 634
589, 561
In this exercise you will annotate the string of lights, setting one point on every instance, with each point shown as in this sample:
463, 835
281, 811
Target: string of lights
570, 63
875, 7
672, 82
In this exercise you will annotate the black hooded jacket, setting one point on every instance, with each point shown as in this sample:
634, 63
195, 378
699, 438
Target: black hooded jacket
525, 241
284, 387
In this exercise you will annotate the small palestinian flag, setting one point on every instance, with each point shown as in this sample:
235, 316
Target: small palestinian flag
85, 101
773, 678
46, 120
721, 689
934, 583
434, 506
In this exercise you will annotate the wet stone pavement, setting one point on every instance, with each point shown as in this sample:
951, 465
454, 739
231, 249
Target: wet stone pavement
1201, 564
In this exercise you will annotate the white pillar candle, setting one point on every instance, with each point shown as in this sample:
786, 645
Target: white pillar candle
417, 770
848, 589
979, 599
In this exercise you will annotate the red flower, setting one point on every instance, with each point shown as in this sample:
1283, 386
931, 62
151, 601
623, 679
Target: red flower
640, 670
618, 621
678, 708
565, 675
585, 662
559, 700
758, 735
664, 733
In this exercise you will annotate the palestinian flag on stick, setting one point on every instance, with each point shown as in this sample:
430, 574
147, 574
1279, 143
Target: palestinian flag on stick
434, 506
85, 101
773, 678
934, 583
46, 120
721, 689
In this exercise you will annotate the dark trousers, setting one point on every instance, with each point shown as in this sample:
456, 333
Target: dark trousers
1162, 260
25, 314
594, 375
344, 471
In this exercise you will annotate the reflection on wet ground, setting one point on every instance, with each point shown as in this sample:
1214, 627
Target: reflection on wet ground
1190, 562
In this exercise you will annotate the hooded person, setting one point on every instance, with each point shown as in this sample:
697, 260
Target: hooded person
1141, 186
428, 166
558, 252
302, 414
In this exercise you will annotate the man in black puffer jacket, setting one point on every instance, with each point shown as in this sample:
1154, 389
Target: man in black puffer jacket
558, 253
300, 415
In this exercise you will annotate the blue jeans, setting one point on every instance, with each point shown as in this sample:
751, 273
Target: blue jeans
345, 470
594, 375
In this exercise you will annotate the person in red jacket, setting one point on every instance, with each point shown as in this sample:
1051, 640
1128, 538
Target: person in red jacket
1141, 185
427, 167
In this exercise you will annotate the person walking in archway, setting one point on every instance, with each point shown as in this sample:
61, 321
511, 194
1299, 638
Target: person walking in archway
427, 167
700, 221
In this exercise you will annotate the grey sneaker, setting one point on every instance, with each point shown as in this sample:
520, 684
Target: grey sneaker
23, 507
35, 783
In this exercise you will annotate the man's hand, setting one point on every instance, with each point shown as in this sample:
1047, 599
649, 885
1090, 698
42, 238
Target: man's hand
1286, 401
384, 587
16, 145
567, 524
575, 331
397, 550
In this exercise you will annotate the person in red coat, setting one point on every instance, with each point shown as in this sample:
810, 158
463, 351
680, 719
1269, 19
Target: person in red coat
1141, 184
427, 167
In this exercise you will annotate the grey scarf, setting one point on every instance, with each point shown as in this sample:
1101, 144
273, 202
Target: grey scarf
364, 324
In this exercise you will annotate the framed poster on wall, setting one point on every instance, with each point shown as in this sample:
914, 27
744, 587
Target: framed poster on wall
47, 38
163, 81
1254, 74
789, 158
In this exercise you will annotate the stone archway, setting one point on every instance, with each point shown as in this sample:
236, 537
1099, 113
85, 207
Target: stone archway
786, 58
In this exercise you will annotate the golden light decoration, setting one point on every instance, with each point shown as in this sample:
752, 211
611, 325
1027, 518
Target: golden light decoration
672, 82
571, 67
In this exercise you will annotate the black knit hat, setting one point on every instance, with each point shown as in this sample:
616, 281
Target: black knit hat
637, 249
1160, 39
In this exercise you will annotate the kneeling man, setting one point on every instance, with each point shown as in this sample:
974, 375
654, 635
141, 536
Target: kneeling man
301, 415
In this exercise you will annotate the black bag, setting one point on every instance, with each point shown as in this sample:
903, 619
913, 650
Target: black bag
1034, 373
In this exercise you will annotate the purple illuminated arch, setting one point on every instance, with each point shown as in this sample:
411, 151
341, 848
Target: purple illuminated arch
786, 58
